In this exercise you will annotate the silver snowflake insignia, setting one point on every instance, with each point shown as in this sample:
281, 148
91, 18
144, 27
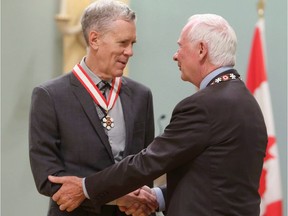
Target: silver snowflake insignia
232, 76
218, 80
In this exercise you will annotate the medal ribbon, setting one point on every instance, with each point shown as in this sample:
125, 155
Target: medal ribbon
93, 90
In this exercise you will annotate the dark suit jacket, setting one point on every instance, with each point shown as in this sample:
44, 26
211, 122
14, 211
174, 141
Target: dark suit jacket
67, 138
212, 152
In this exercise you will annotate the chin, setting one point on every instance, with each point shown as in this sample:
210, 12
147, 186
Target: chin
184, 78
118, 73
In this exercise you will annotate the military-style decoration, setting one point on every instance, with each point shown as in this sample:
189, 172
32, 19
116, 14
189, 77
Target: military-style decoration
108, 122
225, 77
97, 96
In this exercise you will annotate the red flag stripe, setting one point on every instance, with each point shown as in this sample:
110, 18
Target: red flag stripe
256, 54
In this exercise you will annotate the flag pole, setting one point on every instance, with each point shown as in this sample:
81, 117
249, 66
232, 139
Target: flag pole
260, 8
270, 180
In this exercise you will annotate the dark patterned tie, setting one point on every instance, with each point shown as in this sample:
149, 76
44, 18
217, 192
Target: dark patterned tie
103, 86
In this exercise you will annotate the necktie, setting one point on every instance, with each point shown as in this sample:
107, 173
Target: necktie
103, 86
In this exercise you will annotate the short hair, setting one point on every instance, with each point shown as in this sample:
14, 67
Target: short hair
100, 14
219, 36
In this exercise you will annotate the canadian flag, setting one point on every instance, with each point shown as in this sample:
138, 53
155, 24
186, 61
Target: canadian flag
270, 183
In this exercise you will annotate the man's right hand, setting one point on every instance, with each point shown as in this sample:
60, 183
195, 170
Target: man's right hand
141, 202
70, 195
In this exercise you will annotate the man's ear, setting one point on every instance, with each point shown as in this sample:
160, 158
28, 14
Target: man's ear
203, 50
94, 40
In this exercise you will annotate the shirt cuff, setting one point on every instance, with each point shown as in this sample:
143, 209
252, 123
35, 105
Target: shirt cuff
160, 198
84, 189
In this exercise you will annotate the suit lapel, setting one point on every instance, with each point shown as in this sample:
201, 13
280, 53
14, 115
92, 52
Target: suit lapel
90, 110
127, 106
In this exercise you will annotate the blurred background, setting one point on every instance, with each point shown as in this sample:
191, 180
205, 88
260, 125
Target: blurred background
34, 50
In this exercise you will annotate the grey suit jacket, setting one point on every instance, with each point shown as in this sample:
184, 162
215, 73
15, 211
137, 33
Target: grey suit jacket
212, 152
67, 138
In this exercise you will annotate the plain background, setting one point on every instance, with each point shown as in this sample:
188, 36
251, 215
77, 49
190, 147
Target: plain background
31, 52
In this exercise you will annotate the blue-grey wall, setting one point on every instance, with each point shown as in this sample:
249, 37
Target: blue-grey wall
31, 53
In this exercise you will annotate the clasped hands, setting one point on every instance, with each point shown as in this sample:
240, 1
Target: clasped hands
141, 202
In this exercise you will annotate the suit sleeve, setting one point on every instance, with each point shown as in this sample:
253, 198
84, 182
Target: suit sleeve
183, 139
44, 141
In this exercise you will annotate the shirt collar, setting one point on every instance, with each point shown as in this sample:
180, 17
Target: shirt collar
92, 75
213, 74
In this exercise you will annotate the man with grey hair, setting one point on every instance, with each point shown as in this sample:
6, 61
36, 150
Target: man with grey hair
93, 117
214, 146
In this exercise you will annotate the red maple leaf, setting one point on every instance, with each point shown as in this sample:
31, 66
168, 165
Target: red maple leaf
262, 186
271, 142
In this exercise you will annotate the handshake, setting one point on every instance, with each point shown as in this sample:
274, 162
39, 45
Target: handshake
141, 202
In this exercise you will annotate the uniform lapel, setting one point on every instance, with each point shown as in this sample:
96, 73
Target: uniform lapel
224, 72
90, 110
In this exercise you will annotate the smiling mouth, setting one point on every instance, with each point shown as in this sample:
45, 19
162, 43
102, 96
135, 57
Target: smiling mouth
123, 62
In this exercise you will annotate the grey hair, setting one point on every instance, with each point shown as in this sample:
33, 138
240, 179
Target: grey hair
219, 36
100, 14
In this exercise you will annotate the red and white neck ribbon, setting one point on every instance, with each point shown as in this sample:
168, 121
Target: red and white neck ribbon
93, 90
